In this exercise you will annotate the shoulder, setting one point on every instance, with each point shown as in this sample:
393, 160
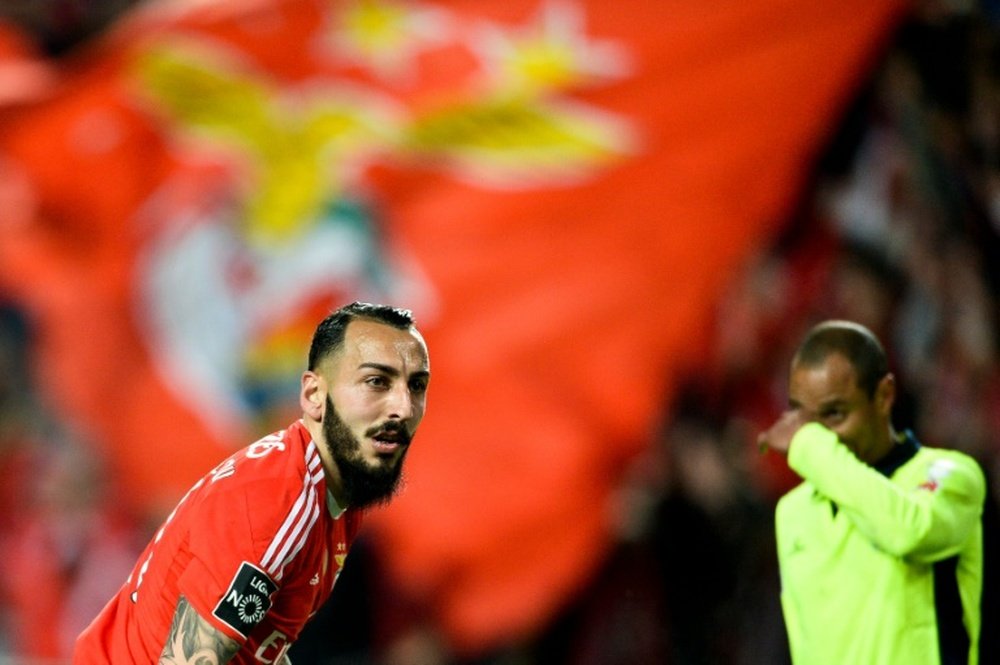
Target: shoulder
795, 498
946, 459
255, 513
282, 457
934, 468
260, 484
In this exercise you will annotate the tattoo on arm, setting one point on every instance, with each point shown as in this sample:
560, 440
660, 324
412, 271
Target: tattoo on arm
193, 641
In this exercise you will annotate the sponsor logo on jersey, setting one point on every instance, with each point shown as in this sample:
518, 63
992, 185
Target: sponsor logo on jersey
937, 472
247, 599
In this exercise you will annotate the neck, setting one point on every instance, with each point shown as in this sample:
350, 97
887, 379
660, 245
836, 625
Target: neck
885, 446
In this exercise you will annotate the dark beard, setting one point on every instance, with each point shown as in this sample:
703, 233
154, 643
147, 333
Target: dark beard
363, 485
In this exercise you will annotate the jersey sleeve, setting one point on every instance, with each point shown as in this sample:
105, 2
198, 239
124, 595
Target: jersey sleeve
926, 523
235, 567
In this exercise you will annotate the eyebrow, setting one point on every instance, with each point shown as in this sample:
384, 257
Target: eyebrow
392, 371
835, 403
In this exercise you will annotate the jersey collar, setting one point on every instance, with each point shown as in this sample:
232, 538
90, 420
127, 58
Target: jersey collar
335, 510
904, 450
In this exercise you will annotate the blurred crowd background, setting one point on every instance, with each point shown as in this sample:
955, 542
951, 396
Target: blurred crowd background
898, 229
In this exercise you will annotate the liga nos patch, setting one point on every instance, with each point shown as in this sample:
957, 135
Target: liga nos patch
247, 600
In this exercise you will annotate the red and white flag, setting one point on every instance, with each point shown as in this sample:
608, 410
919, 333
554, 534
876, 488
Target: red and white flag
559, 189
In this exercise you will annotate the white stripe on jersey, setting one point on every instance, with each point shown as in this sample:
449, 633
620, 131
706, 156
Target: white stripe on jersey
315, 463
300, 519
297, 508
300, 543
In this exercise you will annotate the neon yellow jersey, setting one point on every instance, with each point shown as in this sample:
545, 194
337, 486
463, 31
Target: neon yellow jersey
881, 565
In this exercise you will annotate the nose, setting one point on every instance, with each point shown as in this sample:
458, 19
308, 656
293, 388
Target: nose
400, 403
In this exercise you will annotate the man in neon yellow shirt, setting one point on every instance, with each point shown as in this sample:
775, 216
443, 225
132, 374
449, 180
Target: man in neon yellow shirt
880, 547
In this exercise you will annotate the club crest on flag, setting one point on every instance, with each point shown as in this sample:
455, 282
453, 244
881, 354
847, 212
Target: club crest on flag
232, 284
561, 190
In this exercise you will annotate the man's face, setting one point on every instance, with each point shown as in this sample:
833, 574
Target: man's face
377, 387
828, 393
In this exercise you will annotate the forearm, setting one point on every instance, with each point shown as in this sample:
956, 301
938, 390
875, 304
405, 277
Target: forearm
194, 641
901, 520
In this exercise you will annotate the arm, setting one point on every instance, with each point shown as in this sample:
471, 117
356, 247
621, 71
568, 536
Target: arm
193, 641
921, 524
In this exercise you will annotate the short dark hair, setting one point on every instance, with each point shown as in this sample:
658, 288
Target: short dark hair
856, 343
329, 335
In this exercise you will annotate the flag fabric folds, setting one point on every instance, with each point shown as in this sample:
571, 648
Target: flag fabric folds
560, 191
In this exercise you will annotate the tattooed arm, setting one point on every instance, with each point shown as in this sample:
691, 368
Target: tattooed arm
193, 641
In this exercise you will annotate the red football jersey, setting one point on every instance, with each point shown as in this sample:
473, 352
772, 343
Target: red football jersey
255, 547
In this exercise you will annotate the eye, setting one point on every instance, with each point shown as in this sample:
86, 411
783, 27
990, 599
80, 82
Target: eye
418, 386
834, 415
377, 381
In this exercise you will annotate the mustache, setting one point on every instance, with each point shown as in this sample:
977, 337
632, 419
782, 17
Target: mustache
394, 429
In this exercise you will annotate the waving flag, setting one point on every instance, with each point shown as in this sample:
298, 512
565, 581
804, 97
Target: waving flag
559, 189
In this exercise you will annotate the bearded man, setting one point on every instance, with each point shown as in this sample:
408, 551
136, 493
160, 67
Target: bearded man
254, 548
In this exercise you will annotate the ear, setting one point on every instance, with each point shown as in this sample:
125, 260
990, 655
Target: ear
312, 397
885, 394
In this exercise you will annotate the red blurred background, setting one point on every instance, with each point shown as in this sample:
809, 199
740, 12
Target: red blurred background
612, 220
